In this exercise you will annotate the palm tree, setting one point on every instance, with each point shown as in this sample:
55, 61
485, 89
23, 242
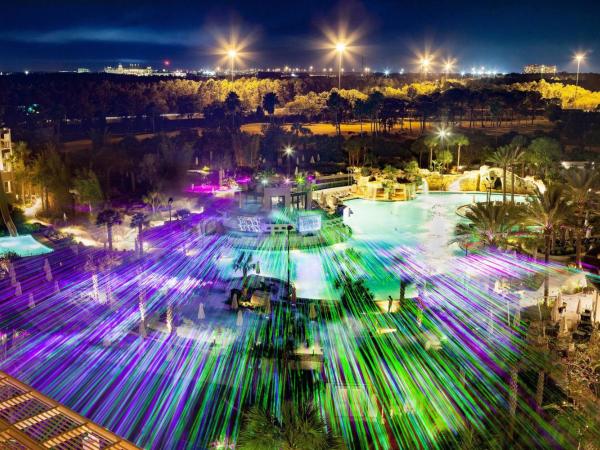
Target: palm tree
300, 427
139, 221
548, 210
431, 141
502, 157
489, 223
580, 185
356, 297
517, 157
460, 140
108, 218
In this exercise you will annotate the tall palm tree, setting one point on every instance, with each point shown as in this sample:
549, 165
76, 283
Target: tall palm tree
460, 140
108, 218
431, 141
503, 157
548, 210
300, 427
580, 184
490, 224
517, 157
139, 221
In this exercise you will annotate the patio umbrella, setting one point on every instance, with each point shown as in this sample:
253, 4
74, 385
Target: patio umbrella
564, 329
201, 315
240, 318
579, 307
234, 301
312, 312
31, 301
555, 314
142, 330
48, 270
56, 287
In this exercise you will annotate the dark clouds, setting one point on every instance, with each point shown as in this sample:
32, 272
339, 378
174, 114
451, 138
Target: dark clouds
66, 34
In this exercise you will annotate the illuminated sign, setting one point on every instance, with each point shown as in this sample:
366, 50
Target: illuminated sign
250, 223
309, 223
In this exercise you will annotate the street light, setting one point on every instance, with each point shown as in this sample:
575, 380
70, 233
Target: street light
448, 66
425, 63
289, 151
443, 133
232, 54
340, 48
579, 57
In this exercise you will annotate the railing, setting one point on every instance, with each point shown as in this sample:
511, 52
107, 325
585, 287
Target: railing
30, 420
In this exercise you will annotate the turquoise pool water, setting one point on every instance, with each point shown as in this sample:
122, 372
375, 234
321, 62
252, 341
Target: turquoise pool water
380, 229
24, 245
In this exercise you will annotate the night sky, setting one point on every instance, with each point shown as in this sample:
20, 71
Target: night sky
59, 35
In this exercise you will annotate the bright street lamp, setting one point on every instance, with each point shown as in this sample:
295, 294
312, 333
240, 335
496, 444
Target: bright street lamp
232, 54
340, 48
579, 57
289, 151
425, 63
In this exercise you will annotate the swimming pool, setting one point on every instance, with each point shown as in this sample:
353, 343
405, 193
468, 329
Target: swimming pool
24, 245
380, 231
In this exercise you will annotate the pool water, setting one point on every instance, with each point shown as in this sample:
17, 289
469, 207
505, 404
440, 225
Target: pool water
380, 231
24, 245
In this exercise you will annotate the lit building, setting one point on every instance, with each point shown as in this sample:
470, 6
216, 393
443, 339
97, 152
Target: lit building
540, 69
5, 159
132, 69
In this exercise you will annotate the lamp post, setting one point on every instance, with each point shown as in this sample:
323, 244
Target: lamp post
289, 151
289, 290
340, 47
579, 57
425, 63
231, 54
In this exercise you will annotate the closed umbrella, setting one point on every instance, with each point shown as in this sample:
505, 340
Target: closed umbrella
564, 329
31, 301
257, 268
240, 318
234, 301
555, 314
18, 290
201, 315
579, 307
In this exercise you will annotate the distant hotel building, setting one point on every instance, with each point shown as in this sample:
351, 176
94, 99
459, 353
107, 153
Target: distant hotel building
132, 69
539, 69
